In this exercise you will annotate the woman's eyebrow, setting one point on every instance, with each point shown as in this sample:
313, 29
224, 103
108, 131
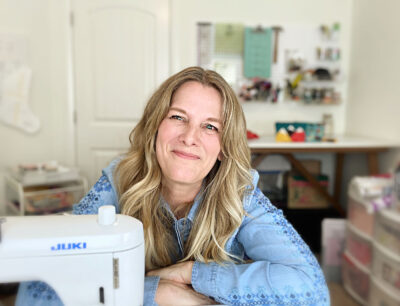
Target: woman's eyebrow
214, 120
177, 109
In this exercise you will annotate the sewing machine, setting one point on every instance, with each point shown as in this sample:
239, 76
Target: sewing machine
86, 259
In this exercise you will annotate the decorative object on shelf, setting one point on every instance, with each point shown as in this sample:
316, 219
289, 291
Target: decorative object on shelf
251, 135
260, 90
298, 131
327, 121
313, 86
330, 33
295, 60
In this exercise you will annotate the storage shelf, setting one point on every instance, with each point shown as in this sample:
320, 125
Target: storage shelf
50, 197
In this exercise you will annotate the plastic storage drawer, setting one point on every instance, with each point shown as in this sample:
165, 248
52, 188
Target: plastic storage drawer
387, 230
380, 295
359, 245
386, 267
359, 216
52, 200
355, 278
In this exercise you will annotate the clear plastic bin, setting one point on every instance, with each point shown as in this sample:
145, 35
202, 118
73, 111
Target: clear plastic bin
381, 295
42, 199
355, 278
359, 245
52, 200
386, 267
387, 230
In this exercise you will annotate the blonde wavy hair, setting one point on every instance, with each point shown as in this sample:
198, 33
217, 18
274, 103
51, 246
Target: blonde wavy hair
138, 178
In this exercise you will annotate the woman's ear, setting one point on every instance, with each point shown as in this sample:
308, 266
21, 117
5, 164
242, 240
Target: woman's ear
220, 155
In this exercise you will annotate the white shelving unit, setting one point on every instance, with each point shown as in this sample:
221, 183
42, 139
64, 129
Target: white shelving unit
45, 196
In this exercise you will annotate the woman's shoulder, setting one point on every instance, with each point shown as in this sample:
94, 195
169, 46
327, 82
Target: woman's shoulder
109, 170
254, 198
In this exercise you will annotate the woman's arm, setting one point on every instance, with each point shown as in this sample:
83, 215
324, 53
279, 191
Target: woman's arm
174, 287
283, 271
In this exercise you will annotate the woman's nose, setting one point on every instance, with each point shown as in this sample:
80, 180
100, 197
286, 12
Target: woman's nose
190, 135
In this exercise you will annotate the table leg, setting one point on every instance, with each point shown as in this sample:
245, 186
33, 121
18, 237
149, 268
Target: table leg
257, 160
373, 166
338, 176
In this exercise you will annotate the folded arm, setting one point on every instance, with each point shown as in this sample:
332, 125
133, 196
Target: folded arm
283, 271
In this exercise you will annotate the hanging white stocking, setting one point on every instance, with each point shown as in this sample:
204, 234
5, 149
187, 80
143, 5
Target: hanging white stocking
14, 108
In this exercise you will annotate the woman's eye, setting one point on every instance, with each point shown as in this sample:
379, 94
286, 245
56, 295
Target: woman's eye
177, 117
211, 127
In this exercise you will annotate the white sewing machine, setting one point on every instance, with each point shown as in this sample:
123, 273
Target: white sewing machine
86, 259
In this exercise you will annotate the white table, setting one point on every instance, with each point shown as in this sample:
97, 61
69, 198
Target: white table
266, 145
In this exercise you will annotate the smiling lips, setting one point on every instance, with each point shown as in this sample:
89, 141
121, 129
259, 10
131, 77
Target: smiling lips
185, 155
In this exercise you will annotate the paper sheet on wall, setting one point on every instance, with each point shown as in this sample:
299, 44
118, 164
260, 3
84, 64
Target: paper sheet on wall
204, 42
229, 38
257, 53
227, 70
15, 81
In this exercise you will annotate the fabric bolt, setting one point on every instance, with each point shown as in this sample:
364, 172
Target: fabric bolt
278, 268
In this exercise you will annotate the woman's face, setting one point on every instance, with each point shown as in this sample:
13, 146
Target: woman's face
188, 141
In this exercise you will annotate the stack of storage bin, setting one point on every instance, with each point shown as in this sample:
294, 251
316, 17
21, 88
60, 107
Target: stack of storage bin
365, 197
385, 277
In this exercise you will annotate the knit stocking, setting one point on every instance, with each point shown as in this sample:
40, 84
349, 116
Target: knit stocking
14, 108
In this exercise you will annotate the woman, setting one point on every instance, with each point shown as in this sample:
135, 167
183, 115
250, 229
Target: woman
210, 234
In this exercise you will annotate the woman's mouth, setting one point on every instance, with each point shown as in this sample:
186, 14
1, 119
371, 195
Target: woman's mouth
185, 155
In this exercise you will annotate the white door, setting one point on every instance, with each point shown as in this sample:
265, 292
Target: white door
121, 54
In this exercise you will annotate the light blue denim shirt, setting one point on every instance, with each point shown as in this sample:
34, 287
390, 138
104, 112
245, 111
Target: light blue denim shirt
282, 269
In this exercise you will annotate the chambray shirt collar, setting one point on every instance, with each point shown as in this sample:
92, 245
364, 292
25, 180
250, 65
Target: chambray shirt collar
193, 210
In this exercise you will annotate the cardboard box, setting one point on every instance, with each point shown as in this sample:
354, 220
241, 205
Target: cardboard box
302, 195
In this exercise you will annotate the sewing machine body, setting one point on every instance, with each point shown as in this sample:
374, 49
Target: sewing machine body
86, 259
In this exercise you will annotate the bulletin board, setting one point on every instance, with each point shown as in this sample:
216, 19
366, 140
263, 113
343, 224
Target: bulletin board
275, 63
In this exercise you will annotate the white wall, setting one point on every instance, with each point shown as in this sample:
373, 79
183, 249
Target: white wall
373, 98
374, 84
45, 23
261, 117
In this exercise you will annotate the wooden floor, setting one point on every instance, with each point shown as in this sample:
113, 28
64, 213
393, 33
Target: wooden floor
339, 297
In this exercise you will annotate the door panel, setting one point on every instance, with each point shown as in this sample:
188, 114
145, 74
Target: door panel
120, 56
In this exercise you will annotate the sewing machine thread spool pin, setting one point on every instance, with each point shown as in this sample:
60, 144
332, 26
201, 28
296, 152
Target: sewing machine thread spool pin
106, 215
